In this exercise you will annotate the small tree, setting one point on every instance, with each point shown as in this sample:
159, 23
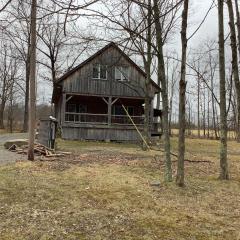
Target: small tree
182, 98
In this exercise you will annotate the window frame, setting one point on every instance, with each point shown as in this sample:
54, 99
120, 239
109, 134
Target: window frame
99, 65
120, 70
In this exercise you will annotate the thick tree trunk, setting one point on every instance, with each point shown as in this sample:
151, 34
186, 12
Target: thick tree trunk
26, 103
238, 24
2, 107
223, 113
182, 99
10, 113
32, 105
234, 63
163, 81
147, 64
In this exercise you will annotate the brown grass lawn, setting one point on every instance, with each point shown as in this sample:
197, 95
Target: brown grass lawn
103, 192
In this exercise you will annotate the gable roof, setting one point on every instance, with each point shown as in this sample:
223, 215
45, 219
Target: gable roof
111, 44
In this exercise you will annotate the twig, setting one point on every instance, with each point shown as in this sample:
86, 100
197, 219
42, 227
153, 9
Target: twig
186, 160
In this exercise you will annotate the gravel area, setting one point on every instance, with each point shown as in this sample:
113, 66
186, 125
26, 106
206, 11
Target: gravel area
5, 155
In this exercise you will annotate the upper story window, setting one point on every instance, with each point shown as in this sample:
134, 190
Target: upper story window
99, 71
121, 73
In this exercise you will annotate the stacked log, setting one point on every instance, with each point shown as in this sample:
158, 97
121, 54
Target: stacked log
39, 150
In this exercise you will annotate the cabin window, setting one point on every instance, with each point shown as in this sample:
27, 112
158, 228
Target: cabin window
71, 107
118, 110
99, 71
73, 110
122, 73
76, 108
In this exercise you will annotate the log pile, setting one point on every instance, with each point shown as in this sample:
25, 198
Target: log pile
39, 150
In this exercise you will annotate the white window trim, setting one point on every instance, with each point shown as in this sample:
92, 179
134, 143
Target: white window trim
123, 79
99, 72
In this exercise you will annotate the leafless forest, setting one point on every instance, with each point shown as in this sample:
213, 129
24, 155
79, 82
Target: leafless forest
200, 89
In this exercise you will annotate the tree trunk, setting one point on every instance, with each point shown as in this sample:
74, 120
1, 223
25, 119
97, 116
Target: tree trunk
198, 104
162, 79
26, 103
32, 85
10, 112
234, 63
204, 113
238, 24
182, 99
223, 114
213, 100
2, 107
208, 114
147, 64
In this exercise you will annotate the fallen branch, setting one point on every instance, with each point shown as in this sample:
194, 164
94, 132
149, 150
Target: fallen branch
186, 160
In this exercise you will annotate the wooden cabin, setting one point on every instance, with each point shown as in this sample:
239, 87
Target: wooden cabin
88, 99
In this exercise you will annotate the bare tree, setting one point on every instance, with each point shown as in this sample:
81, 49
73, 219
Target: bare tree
7, 77
223, 114
235, 68
32, 104
163, 81
182, 98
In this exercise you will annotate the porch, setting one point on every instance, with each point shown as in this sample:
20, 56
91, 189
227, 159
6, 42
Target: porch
102, 118
102, 110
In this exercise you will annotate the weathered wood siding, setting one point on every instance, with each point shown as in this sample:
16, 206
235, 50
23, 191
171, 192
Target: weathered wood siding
99, 133
81, 81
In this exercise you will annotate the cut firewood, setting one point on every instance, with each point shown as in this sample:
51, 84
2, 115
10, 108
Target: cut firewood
39, 149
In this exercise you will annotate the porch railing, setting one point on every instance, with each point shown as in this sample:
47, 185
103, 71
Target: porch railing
86, 118
102, 118
123, 119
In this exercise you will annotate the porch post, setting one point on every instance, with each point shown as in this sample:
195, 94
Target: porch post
109, 111
63, 108
151, 116
109, 118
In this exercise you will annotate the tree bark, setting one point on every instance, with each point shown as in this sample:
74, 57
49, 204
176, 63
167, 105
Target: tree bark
26, 103
224, 175
212, 98
204, 113
32, 105
162, 79
2, 107
182, 99
198, 103
147, 65
234, 63
238, 24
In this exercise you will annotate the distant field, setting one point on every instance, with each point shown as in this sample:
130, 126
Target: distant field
194, 133
103, 191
